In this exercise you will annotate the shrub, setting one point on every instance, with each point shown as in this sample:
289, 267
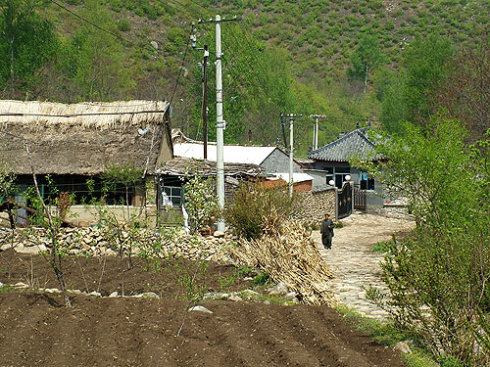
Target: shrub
116, 5
124, 25
254, 207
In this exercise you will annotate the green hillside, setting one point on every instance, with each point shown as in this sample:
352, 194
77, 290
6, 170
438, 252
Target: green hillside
339, 58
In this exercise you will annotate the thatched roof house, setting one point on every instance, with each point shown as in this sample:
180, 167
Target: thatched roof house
84, 138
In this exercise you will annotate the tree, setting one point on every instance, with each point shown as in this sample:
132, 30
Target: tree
126, 175
465, 93
438, 277
200, 200
365, 58
428, 62
27, 39
96, 62
409, 94
7, 188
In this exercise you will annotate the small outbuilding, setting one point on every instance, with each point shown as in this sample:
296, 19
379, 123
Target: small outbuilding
77, 144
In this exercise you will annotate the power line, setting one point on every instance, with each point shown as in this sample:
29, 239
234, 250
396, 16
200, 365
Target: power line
91, 23
181, 65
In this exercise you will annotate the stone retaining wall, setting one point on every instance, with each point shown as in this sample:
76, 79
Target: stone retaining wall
95, 241
317, 204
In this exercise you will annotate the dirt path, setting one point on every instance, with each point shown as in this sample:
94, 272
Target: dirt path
354, 263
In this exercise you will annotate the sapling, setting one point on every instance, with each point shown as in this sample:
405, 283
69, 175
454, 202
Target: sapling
193, 289
200, 200
52, 224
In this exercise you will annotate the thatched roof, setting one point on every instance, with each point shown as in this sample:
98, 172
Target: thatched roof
84, 138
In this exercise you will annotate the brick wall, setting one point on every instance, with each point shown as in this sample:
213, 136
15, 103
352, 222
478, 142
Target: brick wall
297, 187
303, 186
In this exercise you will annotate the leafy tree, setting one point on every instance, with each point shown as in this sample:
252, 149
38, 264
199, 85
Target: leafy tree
438, 277
259, 84
200, 201
428, 61
365, 59
96, 61
127, 175
7, 188
409, 95
27, 40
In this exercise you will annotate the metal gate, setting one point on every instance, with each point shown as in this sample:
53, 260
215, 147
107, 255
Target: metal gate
344, 201
359, 198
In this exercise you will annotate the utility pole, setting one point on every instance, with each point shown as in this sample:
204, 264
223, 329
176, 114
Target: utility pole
205, 101
204, 112
220, 122
291, 146
315, 131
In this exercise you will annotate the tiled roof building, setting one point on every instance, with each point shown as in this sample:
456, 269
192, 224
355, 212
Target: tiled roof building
355, 143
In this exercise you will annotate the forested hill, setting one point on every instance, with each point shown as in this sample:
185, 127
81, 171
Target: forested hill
352, 60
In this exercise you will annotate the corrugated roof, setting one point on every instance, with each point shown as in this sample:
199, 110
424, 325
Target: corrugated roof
180, 166
355, 143
231, 153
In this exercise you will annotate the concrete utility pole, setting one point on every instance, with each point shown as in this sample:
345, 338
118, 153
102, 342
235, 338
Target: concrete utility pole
315, 131
205, 100
220, 122
291, 148
220, 126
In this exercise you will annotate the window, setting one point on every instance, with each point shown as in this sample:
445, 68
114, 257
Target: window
366, 183
172, 196
340, 174
337, 174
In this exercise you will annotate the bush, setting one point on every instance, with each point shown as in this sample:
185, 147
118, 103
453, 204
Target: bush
124, 25
254, 207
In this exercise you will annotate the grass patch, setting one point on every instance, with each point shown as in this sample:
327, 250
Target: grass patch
259, 278
5, 288
278, 300
388, 334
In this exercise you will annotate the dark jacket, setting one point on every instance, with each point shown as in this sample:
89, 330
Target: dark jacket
327, 227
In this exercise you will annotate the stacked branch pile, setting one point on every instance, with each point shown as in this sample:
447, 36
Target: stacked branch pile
288, 254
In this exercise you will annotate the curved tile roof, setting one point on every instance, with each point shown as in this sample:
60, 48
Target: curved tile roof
355, 143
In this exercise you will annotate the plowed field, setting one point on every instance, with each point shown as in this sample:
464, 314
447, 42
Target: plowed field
36, 329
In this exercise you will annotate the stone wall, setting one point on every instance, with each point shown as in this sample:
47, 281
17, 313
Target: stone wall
317, 204
111, 242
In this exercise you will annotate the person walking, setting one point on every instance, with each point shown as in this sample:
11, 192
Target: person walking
327, 232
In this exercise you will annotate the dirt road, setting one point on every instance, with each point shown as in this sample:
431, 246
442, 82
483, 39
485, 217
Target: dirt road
353, 262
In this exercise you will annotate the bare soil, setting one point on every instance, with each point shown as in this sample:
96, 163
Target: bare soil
36, 329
